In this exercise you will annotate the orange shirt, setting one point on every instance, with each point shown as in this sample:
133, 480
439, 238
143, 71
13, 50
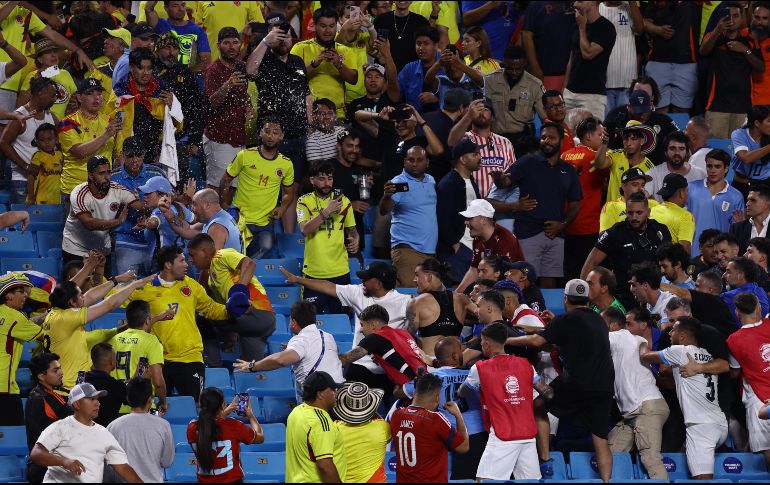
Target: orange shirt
760, 81
591, 182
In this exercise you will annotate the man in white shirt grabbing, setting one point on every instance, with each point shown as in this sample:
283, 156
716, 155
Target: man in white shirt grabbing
705, 422
640, 402
75, 448
309, 350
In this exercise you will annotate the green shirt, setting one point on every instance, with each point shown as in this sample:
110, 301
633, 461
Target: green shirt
615, 304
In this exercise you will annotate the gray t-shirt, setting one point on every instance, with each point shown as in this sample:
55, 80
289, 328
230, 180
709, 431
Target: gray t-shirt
148, 442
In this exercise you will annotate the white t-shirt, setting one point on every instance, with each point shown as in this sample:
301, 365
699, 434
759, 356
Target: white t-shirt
77, 239
659, 173
634, 382
698, 159
23, 142
660, 306
394, 302
470, 196
621, 69
93, 446
308, 345
698, 395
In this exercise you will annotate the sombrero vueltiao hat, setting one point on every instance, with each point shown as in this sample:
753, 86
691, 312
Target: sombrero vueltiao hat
10, 281
648, 133
356, 403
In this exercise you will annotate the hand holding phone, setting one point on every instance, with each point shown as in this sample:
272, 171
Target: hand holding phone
142, 367
401, 186
243, 403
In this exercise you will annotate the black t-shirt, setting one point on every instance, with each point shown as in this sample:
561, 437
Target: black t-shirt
590, 76
729, 76
379, 345
713, 311
626, 247
531, 354
697, 266
372, 147
534, 299
346, 178
680, 16
282, 91
584, 348
401, 32
441, 124
109, 409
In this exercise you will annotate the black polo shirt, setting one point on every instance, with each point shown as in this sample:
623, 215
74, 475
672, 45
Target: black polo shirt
371, 147
713, 311
626, 247
441, 124
282, 91
109, 409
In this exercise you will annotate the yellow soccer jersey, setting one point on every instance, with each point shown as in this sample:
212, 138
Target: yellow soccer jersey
15, 328
447, 17
224, 273
259, 183
65, 89
212, 16
130, 346
311, 430
48, 180
486, 66
679, 221
18, 27
614, 211
66, 335
325, 252
620, 165
327, 82
180, 337
76, 129
360, 49
365, 446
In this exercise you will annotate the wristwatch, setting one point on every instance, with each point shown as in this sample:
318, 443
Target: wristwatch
748, 52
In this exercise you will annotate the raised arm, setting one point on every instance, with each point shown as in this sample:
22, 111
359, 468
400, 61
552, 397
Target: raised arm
97, 293
271, 362
353, 355
594, 259
18, 60
116, 299
321, 286
149, 12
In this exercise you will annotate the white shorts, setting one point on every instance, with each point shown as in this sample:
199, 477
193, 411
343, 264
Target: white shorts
702, 440
759, 429
503, 458
218, 157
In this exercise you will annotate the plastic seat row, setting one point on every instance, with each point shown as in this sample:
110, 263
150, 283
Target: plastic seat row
257, 466
267, 408
275, 439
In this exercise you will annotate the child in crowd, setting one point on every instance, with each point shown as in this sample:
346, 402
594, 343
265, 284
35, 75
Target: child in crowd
43, 180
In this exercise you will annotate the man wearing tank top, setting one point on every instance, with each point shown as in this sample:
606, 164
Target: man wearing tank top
210, 219
16, 140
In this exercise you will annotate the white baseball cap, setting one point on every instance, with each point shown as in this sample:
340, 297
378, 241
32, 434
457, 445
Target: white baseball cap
479, 207
82, 391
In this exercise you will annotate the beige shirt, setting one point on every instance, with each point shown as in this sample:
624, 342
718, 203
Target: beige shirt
527, 94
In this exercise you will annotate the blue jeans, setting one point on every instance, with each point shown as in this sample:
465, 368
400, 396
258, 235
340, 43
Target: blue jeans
138, 260
18, 191
616, 97
508, 196
263, 240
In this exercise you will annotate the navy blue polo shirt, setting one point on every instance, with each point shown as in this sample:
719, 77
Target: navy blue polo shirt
551, 186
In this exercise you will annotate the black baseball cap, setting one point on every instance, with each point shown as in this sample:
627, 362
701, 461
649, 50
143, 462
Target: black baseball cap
228, 33
671, 184
464, 147
89, 84
133, 146
96, 161
142, 30
633, 174
319, 381
377, 270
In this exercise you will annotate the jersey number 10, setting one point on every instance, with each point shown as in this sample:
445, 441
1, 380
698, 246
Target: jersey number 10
407, 449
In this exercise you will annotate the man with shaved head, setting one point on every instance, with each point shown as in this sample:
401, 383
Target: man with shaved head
449, 362
210, 219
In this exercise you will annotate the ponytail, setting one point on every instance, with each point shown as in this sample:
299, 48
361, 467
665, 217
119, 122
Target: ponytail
211, 402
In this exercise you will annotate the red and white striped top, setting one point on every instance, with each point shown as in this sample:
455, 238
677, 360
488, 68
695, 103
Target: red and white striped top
497, 154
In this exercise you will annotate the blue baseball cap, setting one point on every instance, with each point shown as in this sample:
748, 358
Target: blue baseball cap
157, 184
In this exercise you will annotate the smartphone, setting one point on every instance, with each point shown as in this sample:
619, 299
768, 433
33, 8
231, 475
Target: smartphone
355, 11
154, 412
258, 28
119, 115
285, 27
400, 114
81, 377
120, 209
337, 193
144, 364
452, 49
402, 186
243, 403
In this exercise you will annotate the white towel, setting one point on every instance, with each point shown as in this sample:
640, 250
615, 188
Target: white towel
168, 156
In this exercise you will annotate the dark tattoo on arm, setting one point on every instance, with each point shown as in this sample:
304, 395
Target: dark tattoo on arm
353, 355
411, 319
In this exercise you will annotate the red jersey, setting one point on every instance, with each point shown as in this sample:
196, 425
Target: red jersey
506, 396
591, 183
750, 346
227, 450
422, 440
502, 243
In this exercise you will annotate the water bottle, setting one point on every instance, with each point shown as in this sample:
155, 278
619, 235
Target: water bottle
364, 187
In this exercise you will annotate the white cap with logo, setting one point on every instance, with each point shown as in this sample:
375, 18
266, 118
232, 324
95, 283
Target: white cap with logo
479, 207
82, 391
576, 288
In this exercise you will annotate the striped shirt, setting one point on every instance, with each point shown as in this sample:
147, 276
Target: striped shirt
497, 155
621, 69
322, 146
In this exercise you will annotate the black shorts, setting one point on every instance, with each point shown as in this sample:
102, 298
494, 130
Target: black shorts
590, 409
186, 377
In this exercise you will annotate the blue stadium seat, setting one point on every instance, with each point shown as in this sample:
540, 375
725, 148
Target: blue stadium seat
368, 240
355, 266
279, 382
281, 324
47, 241
680, 119
49, 266
41, 213
5, 197
26, 354
369, 218
24, 380
267, 465
583, 465
721, 480
344, 346
277, 409
736, 466
291, 245
179, 432
390, 466
269, 274
181, 410
11, 470
277, 342
275, 439
50, 226
107, 322
334, 324
559, 466
218, 377
675, 463
183, 469
722, 143
282, 297
554, 300
14, 244
13, 440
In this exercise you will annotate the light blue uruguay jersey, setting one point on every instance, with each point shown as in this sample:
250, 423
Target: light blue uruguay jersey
470, 406
712, 211
742, 140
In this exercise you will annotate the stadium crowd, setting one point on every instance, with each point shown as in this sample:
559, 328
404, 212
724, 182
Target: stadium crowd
445, 166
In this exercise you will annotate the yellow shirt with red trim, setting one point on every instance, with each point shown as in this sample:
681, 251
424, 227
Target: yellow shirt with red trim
66, 335
618, 166
680, 222
77, 129
48, 180
325, 253
212, 16
65, 89
259, 183
15, 329
18, 29
365, 446
312, 435
614, 211
180, 336
224, 273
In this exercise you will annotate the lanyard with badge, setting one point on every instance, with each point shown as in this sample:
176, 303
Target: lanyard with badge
320, 357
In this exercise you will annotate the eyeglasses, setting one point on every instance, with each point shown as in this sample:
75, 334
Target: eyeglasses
555, 106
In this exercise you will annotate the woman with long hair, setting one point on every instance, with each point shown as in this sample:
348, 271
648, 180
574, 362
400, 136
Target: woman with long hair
478, 53
753, 139
491, 267
216, 439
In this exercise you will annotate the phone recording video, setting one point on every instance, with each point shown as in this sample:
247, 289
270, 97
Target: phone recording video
143, 365
402, 186
400, 114
243, 403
